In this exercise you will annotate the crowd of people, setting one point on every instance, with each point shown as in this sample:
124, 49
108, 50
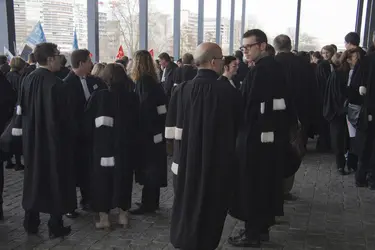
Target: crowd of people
232, 128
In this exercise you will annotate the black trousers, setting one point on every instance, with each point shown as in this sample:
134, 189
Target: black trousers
324, 140
32, 221
17, 157
174, 183
258, 226
150, 197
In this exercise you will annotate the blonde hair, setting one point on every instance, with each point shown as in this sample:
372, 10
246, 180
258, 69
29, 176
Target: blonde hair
17, 64
97, 69
143, 64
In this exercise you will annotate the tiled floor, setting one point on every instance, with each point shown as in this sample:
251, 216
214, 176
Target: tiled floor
330, 213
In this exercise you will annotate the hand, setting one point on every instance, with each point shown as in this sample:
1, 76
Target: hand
362, 90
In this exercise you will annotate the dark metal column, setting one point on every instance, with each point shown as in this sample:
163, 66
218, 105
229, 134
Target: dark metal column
369, 36
176, 28
218, 22
358, 21
367, 23
7, 26
200, 21
243, 17
143, 24
93, 29
231, 28
298, 22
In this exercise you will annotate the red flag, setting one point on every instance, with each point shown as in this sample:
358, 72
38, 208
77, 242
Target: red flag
120, 53
90, 55
151, 52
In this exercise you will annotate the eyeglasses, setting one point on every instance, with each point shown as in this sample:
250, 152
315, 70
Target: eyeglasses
248, 46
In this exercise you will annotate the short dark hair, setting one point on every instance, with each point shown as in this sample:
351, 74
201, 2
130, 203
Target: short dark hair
31, 58
63, 60
3, 59
165, 56
352, 38
282, 43
270, 50
260, 36
78, 56
317, 55
228, 60
187, 58
44, 50
238, 54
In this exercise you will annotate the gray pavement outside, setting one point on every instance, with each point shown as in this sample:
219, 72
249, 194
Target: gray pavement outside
330, 213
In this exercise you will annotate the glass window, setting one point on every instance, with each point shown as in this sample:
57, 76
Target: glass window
278, 18
118, 25
237, 26
160, 26
225, 25
326, 22
189, 26
58, 19
209, 24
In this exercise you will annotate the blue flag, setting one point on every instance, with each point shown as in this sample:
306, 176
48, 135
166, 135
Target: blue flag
75, 40
37, 35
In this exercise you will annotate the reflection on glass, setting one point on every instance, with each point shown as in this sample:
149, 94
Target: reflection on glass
189, 26
320, 27
160, 26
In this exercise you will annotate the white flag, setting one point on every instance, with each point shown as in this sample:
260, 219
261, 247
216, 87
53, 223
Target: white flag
8, 54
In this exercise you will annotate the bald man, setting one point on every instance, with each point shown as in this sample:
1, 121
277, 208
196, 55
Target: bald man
202, 120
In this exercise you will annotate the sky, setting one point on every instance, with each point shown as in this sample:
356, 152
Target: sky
327, 20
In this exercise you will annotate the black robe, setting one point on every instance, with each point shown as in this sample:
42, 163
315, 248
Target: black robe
62, 73
206, 120
334, 110
152, 167
76, 103
14, 78
111, 120
301, 84
30, 68
183, 74
262, 143
48, 185
242, 71
168, 81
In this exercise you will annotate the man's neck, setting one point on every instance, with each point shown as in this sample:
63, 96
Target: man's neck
45, 67
262, 55
227, 75
79, 73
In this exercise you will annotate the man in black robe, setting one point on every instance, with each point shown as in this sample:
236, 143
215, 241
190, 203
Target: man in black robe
262, 144
32, 64
301, 88
185, 72
169, 67
4, 65
242, 70
204, 118
64, 71
79, 86
8, 100
48, 185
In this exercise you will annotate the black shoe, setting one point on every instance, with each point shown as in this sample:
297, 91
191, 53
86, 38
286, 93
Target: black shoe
265, 236
72, 215
19, 167
9, 165
141, 210
139, 204
243, 241
341, 171
58, 232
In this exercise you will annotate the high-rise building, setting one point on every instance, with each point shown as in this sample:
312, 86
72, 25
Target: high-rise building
80, 23
20, 22
209, 30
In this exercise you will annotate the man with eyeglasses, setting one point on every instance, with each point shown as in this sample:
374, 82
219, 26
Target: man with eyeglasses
48, 183
202, 118
262, 144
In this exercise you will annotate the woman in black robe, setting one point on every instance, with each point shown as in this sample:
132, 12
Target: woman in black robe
151, 171
15, 76
112, 123
334, 111
323, 71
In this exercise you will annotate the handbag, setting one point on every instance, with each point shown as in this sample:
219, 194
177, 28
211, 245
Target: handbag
297, 149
